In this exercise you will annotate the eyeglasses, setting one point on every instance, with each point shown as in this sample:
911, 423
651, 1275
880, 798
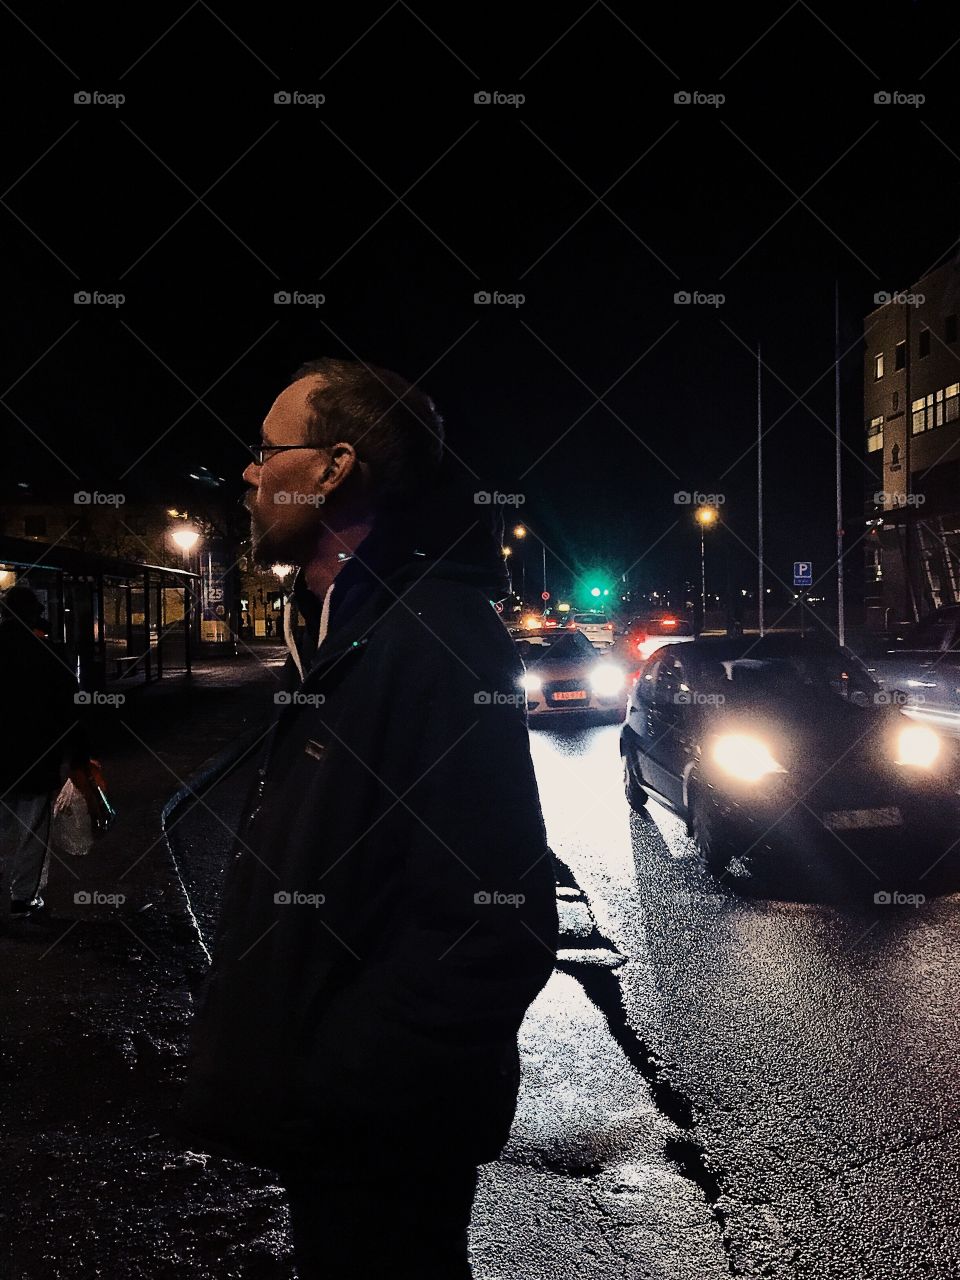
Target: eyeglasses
258, 450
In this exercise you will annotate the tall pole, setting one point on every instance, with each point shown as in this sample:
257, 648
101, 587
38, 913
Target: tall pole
759, 499
544, 550
703, 583
836, 398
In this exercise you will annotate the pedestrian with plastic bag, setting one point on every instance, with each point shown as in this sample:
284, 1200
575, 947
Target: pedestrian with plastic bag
42, 732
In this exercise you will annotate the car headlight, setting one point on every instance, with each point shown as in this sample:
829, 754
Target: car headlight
606, 679
530, 683
745, 757
917, 745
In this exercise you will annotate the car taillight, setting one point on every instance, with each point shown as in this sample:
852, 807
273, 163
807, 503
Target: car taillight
668, 622
608, 626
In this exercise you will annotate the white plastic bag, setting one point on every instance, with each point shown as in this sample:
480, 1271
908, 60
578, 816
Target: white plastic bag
71, 831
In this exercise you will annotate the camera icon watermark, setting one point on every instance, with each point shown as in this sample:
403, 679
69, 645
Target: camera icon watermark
296, 98
296, 898
486, 498
294, 298
686, 298
494, 298
688, 498
496, 98
297, 698
493, 897
297, 498
893, 898
96, 698
96, 298
95, 98
94, 498
495, 698
895, 98
691, 698
696, 98
883, 498
901, 298
94, 898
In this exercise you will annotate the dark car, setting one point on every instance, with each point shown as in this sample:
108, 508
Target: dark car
921, 668
782, 746
648, 632
563, 672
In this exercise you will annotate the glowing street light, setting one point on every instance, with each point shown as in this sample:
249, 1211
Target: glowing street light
519, 531
185, 538
508, 551
705, 517
281, 571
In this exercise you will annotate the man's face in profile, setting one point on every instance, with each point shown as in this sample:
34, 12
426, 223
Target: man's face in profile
286, 513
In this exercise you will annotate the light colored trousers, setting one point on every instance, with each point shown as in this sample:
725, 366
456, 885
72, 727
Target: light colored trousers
25, 843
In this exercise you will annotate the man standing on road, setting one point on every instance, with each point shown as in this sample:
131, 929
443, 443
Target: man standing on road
389, 914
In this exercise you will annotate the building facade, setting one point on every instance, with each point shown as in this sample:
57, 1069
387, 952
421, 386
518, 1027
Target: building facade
912, 450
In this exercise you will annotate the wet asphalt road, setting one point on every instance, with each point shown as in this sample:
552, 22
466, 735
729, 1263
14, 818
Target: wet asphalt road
814, 1043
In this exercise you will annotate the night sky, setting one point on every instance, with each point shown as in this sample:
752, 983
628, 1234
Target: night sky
399, 198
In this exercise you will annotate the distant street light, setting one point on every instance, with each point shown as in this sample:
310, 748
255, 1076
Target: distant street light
508, 551
185, 538
281, 571
519, 531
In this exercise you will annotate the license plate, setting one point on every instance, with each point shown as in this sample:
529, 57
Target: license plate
572, 695
859, 819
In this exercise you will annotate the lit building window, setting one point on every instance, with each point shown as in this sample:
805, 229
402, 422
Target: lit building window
875, 435
952, 402
878, 366
922, 413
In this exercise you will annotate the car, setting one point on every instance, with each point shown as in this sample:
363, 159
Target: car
597, 627
563, 672
781, 748
921, 668
650, 631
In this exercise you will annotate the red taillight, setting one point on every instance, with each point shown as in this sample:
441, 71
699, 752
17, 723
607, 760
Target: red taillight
608, 626
668, 622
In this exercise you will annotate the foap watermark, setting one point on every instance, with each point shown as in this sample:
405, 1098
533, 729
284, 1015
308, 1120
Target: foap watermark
894, 898
697, 98
495, 698
684, 298
685, 498
94, 498
897, 698
95, 298
484, 498
97, 98
496, 98
297, 498
296, 898
486, 298
884, 499
297, 98
294, 298
297, 698
493, 897
897, 98
94, 898
96, 698
690, 698
899, 299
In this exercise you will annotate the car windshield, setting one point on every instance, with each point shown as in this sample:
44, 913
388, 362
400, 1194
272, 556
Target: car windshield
563, 647
795, 676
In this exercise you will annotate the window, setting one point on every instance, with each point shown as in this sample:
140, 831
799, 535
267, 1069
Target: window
895, 401
878, 367
923, 348
952, 402
900, 355
922, 414
875, 435
35, 526
950, 329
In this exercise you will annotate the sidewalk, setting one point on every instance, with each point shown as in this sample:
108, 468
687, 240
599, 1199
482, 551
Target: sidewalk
94, 1009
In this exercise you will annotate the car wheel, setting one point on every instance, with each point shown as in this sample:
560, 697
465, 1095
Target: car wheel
713, 845
636, 796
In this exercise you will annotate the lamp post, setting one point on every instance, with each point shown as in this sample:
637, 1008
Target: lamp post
705, 517
520, 533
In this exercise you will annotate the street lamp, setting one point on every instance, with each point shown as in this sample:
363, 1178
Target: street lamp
519, 531
705, 517
185, 538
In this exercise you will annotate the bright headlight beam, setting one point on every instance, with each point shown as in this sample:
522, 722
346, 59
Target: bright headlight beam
918, 746
530, 683
606, 679
745, 757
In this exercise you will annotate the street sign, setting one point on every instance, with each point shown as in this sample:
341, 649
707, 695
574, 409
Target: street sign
544, 595
803, 573
499, 606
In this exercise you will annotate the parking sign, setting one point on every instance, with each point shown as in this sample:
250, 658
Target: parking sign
803, 573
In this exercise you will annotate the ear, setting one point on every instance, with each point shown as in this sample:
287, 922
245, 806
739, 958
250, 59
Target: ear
334, 467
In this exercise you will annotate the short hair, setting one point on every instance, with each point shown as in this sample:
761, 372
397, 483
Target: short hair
395, 427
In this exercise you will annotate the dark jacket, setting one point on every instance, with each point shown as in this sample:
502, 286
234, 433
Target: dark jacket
41, 720
382, 1020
